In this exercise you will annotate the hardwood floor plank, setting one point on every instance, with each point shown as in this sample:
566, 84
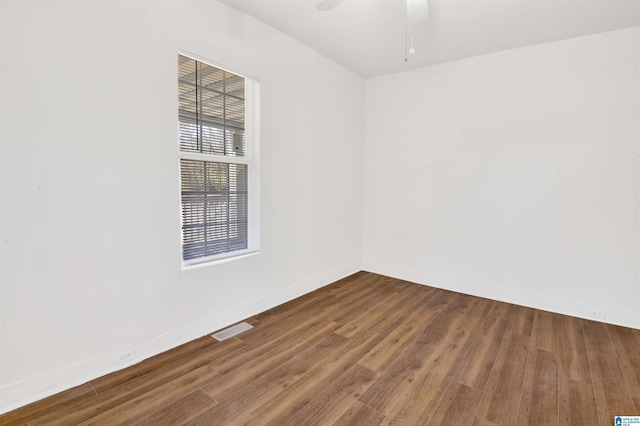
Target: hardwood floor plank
380, 357
81, 410
501, 397
405, 308
477, 369
230, 381
364, 304
577, 403
270, 337
273, 331
422, 396
539, 402
136, 408
334, 401
119, 377
410, 389
371, 315
458, 406
464, 301
519, 318
544, 332
573, 362
290, 400
48, 406
439, 300
256, 389
180, 412
224, 360
413, 288
360, 414
626, 342
332, 305
609, 385
405, 369
478, 421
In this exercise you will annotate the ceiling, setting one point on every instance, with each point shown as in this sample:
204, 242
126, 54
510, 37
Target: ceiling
368, 36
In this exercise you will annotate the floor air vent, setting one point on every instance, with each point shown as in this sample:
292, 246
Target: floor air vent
231, 331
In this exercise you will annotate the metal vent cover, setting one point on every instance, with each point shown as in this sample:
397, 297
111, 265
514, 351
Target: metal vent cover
234, 330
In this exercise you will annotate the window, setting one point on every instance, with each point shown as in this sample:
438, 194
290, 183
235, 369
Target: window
218, 146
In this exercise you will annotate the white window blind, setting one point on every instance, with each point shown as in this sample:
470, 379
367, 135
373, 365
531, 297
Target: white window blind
219, 167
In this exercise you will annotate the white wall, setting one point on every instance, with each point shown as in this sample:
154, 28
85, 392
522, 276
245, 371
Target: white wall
89, 172
512, 176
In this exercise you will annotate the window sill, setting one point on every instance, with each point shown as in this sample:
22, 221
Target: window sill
217, 261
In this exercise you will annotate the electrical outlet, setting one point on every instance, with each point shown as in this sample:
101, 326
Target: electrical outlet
597, 313
124, 357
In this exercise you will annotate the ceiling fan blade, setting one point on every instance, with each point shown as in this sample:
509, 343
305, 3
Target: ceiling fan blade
326, 5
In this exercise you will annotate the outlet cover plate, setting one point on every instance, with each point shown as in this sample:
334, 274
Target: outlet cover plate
125, 357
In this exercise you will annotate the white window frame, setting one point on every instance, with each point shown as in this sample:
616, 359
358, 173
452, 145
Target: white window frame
251, 159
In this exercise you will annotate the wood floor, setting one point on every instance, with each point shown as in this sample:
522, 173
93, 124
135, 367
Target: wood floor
372, 350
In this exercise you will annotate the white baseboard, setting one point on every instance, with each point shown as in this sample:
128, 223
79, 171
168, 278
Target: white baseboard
536, 301
18, 394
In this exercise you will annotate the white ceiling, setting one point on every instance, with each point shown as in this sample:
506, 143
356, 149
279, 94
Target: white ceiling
368, 36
